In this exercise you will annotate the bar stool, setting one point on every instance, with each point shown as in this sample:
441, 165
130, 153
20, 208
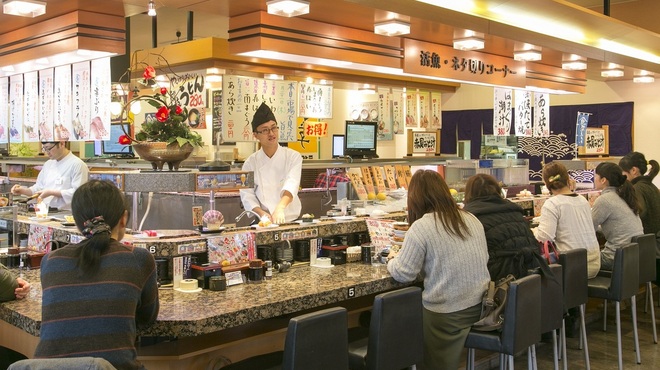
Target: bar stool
623, 284
552, 309
317, 340
521, 328
575, 271
396, 338
70, 363
647, 271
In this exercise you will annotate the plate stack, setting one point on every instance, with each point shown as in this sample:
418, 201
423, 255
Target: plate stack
399, 230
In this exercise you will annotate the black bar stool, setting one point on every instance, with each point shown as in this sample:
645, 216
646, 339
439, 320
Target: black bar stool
647, 272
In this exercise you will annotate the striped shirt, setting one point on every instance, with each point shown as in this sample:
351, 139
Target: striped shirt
97, 316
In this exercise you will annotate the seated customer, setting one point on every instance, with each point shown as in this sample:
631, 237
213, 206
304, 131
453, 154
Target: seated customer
512, 248
566, 218
447, 246
96, 292
615, 211
331, 178
634, 166
11, 287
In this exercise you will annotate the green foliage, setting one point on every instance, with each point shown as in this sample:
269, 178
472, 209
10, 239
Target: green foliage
22, 150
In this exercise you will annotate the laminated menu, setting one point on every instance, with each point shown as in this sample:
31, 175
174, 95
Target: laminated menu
235, 248
366, 178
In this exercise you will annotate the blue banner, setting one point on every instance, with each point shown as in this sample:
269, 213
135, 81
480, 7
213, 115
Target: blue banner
581, 128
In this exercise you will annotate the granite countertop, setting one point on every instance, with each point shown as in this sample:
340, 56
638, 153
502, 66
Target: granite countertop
191, 314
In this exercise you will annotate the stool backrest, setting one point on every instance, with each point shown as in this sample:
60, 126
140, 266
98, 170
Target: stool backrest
647, 246
317, 340
625, 272
575, 272
522, 324
396, 338
552, 299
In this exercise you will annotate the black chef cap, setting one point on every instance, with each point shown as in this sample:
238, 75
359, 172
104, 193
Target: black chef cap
261, 116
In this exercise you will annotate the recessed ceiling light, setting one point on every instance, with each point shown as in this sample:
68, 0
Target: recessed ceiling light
527, 55
469, 43
288, 8
573, 62
24, 8
643, 77
612, 72
393, 27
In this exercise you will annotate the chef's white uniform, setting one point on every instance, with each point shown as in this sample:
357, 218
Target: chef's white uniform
271, 177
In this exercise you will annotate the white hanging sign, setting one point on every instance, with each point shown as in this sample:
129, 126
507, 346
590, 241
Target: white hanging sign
523, 113
101, 90
4, 110
314, 101
80, 103
31, 107
62, 94
46, 104
541, 115
436, 110
502, 111
16, 108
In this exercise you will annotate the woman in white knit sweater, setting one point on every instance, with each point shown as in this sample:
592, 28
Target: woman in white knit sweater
447, 246
615, 211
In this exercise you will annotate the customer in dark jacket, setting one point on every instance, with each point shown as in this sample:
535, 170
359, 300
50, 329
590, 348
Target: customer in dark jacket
634, 166
512, 248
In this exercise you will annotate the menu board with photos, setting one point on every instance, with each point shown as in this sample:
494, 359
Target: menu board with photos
242, 96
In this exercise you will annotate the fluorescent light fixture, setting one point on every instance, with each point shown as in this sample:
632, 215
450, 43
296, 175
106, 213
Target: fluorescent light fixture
273, 76
469, 43
367, 89
572, 62
393, 27
643, 77
288, 8
527, 55
24, 8
151, 9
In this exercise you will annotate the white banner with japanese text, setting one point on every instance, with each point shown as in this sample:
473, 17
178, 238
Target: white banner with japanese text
190, 91
46, 104
502, 111
16, 108
81, 94
541, 115
30, 107
384, 115
436, 111
101, 89
4, 110
314, 101
523, 100
62, 93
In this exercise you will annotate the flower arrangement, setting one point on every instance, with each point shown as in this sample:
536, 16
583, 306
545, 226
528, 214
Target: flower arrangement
169, 124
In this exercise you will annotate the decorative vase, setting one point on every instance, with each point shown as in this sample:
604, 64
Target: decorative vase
159, 153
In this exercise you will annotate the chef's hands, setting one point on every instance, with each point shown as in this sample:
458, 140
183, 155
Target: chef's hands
278, 216
19, 190
23, 289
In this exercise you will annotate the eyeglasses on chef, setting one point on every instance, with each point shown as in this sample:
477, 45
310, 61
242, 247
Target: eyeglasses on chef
267, 131
47, 149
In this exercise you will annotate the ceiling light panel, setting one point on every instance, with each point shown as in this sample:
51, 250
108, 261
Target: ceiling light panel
392, 27
288, 8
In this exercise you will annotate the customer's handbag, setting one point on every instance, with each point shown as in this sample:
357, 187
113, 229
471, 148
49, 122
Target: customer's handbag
492, 305
549, 251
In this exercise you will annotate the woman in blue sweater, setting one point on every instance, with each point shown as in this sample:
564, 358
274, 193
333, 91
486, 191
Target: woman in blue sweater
96, 292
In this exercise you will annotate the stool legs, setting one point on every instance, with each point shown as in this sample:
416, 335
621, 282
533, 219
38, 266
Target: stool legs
649, 294
583, 337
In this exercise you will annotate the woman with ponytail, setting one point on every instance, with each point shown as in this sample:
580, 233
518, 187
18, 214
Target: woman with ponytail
96, 292
615, 212
634, 166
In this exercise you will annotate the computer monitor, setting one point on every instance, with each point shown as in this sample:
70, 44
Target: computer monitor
337, 146
361, 139
112, 146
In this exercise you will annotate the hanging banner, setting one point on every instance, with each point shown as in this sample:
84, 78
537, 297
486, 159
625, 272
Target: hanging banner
62, 93
397, 113
314, 101
16, 108
541, 115
81, 97
436, 110
581, 128
242, 97
46, 104
502, 111
191, 92
308, 145
384, 115
424, 107
30, 107
411, 109
4, 110
523, 100
101, 88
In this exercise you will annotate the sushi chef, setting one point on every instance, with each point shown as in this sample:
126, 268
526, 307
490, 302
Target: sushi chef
276, 173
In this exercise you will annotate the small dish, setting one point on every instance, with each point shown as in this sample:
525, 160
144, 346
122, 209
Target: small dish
343, 218
364, 114
314, 221
39, 219
266, 227
373, 114
147, 237
188, 291
355, 114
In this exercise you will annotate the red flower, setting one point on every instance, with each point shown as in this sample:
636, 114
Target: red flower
163, 114
163, 91
149, 73
178, 110
124, 140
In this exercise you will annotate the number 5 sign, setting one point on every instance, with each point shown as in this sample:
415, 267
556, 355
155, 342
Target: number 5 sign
424, 142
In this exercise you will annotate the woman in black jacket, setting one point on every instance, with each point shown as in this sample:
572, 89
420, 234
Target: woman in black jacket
512, 248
